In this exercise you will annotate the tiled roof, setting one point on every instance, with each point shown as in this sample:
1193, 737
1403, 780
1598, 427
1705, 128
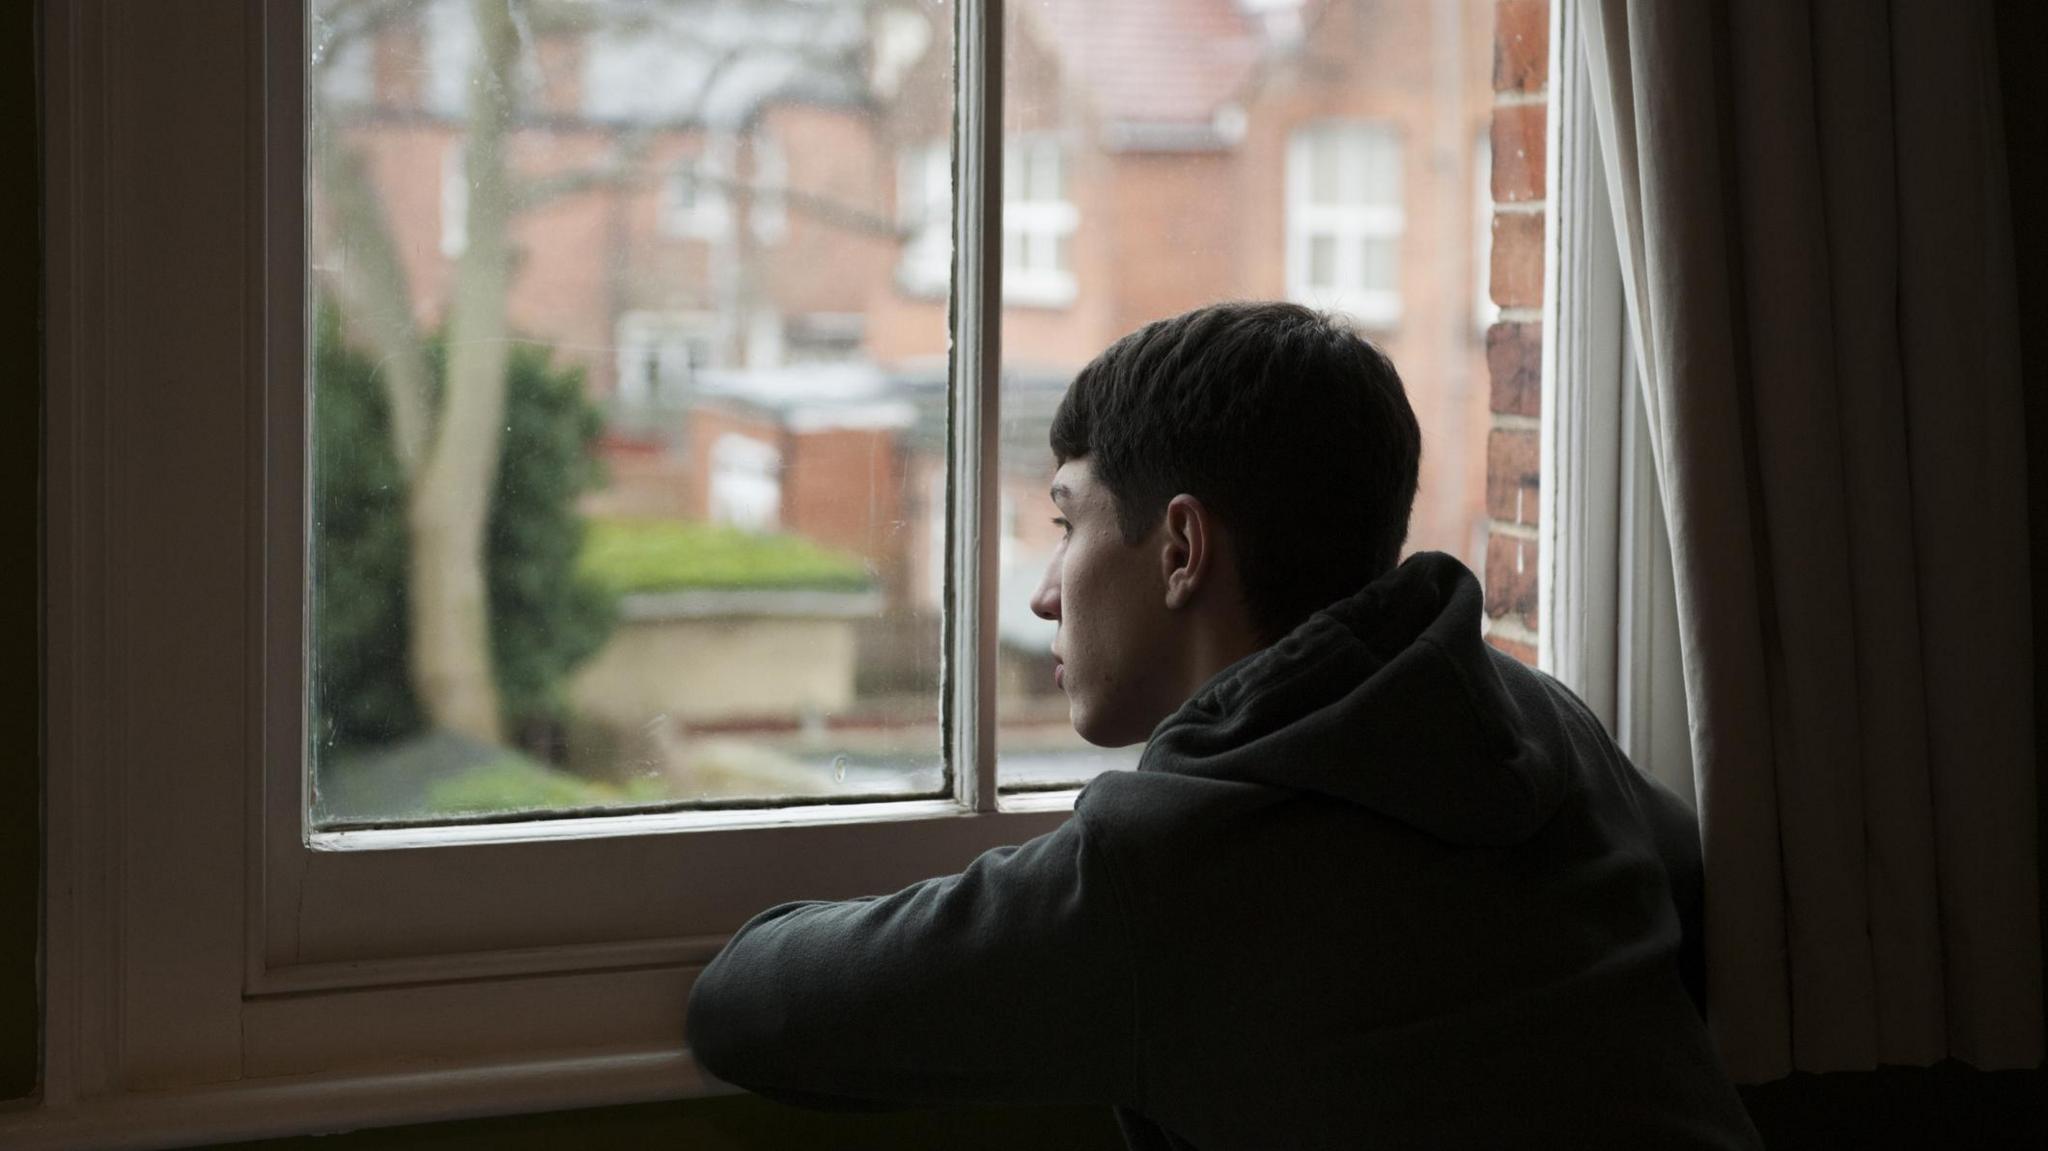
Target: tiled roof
1151, 61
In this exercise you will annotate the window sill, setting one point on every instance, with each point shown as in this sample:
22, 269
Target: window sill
579, 829
296, 1105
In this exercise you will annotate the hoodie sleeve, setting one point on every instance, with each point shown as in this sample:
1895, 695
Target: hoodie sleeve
1009, 982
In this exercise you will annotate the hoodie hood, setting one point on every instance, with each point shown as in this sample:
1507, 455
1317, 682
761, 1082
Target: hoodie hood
1389, 700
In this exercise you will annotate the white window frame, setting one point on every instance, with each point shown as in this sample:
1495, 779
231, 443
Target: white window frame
1608, 609
1347, 224
213, 970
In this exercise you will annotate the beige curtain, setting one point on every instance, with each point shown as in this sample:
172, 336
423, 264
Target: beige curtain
1810, 200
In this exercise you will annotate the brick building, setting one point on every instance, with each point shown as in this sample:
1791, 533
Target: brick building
738, 224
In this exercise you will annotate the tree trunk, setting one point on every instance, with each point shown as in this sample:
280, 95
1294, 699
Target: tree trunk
451, 494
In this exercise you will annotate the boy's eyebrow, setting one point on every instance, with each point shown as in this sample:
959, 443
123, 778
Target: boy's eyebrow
1061, 493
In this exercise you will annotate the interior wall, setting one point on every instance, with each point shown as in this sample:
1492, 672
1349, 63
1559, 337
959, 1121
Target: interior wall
20, 584
2022, 26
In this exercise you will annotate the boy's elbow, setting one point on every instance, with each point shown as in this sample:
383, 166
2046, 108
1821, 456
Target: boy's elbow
717, 1028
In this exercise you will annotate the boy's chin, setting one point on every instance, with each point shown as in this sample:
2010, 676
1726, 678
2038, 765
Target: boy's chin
1103, 731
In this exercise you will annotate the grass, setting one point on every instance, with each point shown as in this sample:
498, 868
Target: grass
515, 783
674, 555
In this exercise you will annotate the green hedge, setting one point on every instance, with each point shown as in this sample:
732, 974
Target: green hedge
515, 783
671, 555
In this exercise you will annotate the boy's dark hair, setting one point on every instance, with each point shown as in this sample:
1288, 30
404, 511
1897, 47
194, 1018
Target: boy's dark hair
1288, 425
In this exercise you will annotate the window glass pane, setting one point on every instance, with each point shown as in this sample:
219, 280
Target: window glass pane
1215, 151
624, 463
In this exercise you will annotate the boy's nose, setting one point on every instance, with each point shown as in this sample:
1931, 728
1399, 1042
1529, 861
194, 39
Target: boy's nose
1045, 602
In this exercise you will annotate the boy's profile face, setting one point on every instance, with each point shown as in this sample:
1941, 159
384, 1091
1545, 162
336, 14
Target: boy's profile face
1114, 648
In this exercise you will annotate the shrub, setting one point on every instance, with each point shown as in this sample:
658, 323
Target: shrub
546, 616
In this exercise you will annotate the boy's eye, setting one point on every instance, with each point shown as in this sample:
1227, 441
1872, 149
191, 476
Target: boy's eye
1060, 522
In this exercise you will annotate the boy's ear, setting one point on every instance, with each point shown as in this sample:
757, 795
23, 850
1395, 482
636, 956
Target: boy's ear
1188, 552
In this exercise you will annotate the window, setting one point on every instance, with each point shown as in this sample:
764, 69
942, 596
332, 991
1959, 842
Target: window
694, 202
228, 956
450, 48
1038, 223
924, 207
659, 357
1345, 219
746, 484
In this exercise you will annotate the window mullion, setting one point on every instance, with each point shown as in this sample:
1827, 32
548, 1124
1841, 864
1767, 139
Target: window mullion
976, 359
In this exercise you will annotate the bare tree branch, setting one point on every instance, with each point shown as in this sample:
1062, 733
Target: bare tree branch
822, 208
620, 168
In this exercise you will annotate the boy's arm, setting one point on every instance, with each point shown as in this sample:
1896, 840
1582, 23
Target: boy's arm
1009, 982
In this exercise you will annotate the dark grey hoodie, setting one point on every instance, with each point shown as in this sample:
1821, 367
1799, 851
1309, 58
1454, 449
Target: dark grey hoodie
1377, 885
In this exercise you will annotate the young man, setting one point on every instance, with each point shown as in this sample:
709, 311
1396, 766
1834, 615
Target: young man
1373, 884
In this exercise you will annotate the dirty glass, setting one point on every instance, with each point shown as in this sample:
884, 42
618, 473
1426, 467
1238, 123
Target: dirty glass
1164, 154
627, 387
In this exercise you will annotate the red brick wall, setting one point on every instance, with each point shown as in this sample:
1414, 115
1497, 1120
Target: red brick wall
1375, 62
1514, 344
843, 488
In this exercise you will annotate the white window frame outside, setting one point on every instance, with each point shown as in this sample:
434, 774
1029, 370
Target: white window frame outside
215, 971
1348, 226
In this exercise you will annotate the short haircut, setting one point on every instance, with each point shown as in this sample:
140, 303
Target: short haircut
1289, 426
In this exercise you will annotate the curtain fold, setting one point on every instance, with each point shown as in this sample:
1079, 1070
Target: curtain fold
1810, 202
